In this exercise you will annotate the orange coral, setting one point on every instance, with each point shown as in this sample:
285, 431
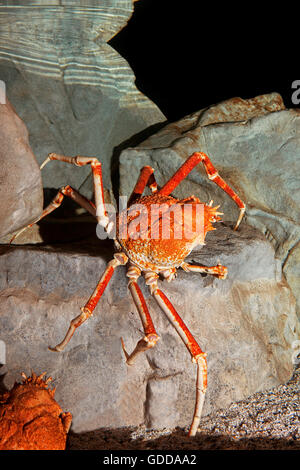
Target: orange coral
31, 419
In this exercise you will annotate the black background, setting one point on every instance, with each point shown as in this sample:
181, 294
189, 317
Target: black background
190, 54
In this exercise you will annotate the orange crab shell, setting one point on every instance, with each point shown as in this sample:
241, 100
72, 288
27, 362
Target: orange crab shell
158, 232
30, 418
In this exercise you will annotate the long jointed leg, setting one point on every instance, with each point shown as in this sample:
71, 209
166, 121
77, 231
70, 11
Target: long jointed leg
198, 356
101, 213
146, 178
218, 271
87, 310
151, 336
56, 202
212, 174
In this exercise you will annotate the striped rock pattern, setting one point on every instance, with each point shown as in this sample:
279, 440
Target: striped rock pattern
75, 93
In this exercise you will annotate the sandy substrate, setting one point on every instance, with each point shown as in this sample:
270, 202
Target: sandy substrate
266, 420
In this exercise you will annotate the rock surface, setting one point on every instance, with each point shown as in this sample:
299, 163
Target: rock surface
75, 93
246, 323
255, 145
267, 420
21, 191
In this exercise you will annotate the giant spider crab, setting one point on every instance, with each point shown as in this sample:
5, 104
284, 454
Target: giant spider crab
150, 256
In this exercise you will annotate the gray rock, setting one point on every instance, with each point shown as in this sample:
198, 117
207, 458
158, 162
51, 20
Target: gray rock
21, 195
255, 145
246, 324
75, 93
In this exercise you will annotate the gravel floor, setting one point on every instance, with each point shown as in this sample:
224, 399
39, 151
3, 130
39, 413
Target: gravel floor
267, 420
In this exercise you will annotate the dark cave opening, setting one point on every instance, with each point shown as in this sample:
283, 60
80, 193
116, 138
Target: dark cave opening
184, 61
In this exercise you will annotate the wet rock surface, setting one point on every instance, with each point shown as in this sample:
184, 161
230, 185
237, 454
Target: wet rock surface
75, 93
246, 324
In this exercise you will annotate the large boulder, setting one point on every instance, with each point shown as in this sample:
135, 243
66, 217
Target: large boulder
21, 190
246, 324
255, 145
75, 93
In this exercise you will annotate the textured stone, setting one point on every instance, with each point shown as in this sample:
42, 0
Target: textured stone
21, 195
246, 324
255, 145
75, 93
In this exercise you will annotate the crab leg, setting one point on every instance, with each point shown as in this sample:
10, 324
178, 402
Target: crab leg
151, 337
146, 178
87, 310
219, 270
56, 202
212, 174
198, 356
101, 213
